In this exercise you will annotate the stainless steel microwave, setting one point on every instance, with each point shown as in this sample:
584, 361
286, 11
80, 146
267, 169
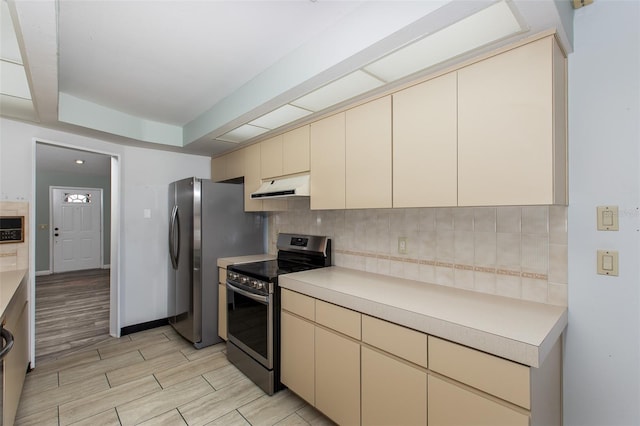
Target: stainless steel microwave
11, 229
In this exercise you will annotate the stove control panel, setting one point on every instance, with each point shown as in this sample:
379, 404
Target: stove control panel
251, 284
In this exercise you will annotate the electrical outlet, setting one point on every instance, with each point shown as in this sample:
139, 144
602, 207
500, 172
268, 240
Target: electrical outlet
402, 245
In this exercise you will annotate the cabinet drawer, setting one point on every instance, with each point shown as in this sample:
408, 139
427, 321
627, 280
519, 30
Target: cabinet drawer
298, 304
395, 339
340, 319
451, 405
499, 377
222, 275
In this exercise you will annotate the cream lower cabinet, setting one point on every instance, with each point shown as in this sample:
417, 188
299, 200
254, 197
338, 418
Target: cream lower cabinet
17, 360
361, 370
337, 377
298, 356
452, 405
393, 392
222, 303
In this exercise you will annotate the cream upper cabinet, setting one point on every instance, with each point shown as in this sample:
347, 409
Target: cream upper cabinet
285, 154
295, 150
425, 169
252, 179
271, 157
512, 128
368, 155
327, 182
229, 166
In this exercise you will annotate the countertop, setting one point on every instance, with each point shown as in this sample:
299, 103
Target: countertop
9, 283
514, 329
224, 262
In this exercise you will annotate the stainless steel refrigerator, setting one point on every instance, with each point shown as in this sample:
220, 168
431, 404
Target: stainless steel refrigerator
207, 221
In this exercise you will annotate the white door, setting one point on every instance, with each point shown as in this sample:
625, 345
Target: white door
76, 228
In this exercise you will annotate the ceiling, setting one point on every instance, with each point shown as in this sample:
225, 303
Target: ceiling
181, 75
57, 159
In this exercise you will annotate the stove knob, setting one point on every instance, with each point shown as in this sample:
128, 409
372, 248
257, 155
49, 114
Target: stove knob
244, 280
260, 286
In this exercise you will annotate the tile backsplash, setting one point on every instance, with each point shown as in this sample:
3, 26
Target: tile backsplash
518, 252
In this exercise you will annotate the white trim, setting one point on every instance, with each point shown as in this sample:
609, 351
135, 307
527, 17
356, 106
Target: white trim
106, 266
41, 273
115, 303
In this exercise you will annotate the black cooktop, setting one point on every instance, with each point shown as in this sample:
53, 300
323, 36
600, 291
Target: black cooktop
269, 270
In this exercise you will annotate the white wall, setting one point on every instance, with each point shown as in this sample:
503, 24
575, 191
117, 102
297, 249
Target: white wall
602, 351
145, 175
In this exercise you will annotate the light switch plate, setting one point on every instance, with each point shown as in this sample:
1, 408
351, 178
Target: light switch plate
607, 218
402, 245
608, 262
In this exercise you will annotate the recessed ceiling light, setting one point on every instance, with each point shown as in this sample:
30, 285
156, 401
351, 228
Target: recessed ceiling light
79, 161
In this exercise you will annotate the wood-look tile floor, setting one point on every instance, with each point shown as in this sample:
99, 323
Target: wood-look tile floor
154, 377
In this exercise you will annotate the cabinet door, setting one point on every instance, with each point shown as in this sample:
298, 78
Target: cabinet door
451, 405
218, 169
229, 166
252, 179
425, 144
235, 164
505, 128
297, 356
368, 155
327, 183
222, 311
222, 303
337, 377
16, 361
295, 151
271, 157
393, 393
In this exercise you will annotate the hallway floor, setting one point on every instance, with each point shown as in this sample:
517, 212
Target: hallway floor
72, 311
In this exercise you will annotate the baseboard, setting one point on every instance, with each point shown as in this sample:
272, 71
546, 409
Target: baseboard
47, 272
106, 266
130, 329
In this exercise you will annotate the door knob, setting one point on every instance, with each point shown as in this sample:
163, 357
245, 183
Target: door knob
56, 228
56, 234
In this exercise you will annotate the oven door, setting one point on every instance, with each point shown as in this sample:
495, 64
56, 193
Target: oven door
250, 323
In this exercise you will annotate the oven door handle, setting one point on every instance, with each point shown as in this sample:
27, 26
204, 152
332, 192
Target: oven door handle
262, 299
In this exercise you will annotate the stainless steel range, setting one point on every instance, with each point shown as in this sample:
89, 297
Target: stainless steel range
253, 316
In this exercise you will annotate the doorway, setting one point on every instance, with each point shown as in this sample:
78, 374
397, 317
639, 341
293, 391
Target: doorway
75, 286
76, 237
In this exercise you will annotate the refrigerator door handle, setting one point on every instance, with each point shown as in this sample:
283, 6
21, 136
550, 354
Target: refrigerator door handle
174, 244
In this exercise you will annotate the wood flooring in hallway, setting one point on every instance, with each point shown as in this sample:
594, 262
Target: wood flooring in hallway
72, 312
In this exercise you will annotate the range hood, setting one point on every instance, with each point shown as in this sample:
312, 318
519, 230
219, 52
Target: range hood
297, 186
